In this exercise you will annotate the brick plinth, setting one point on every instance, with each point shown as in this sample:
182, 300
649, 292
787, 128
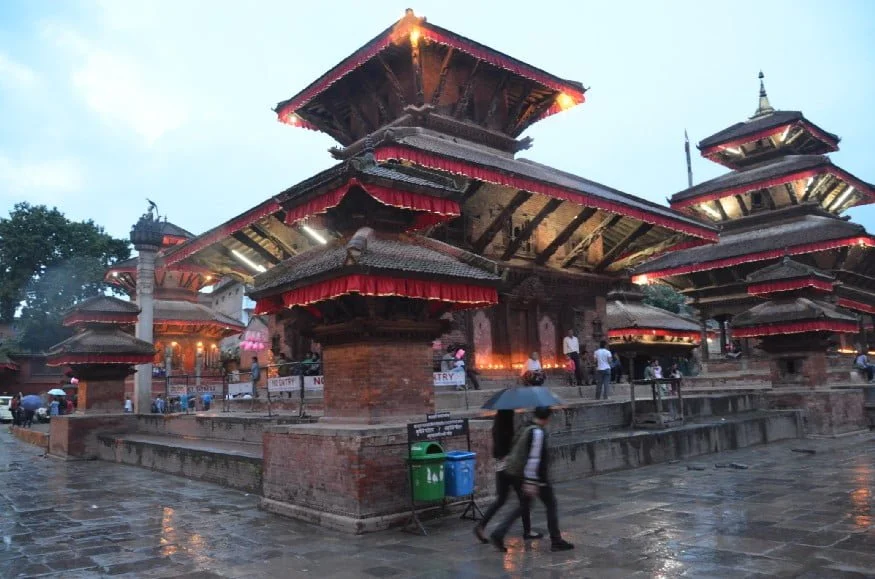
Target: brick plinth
76, 436
374, 382
97, 396
351, 478
807, 369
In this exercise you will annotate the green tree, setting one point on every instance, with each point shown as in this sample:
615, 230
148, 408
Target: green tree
48, 264
664, 297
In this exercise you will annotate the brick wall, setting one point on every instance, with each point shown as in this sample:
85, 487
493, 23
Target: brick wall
377, 381
101, 396
35, 437
75, 436
826, 412
354, 472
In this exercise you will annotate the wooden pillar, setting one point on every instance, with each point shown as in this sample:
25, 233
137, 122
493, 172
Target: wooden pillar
703, 346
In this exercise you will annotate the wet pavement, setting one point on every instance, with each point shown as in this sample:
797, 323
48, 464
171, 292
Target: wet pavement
768, 512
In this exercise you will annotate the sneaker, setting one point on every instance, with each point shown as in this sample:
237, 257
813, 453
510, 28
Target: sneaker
561, 545
532, 536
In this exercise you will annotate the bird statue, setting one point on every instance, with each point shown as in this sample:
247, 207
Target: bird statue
153, 208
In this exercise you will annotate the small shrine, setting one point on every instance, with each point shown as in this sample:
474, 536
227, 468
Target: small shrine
641, 332
101, 352
798, 324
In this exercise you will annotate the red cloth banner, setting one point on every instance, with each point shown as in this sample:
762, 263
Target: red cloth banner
462, 295
74, 359
435, 209
863, 241
789, 285
488, 175
795, 328
857, 306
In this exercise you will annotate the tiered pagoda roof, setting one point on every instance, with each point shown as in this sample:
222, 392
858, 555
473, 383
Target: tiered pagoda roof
628, 317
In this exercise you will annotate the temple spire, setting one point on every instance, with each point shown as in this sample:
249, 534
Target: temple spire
689, 161
765, 107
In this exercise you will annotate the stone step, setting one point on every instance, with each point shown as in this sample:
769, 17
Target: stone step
212, 426
236, 465
578, 454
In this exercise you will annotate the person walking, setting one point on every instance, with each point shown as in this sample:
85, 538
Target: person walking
255, 375
528, 466
129, 405
603, 358
502, 442
571, 348
15, 410
206, 400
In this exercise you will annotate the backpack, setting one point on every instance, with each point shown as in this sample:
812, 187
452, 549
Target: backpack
519, 452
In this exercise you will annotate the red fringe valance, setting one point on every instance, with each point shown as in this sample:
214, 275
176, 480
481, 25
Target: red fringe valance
221, 232
795, 328
75, 359
202, 323
436, 209
857, 306
486, 174
863, 241
462, 295
9, 366
659, 332
99, 318
789, 285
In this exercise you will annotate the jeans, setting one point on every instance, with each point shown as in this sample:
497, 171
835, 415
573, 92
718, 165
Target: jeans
578, 367
503, 485
603, 384
547, 497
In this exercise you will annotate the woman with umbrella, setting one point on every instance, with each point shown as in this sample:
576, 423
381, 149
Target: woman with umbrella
502, 441
30, 403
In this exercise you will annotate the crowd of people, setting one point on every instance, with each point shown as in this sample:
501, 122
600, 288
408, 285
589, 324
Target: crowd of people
26, 409
602, 369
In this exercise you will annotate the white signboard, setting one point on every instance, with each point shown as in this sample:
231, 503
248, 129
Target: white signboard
192, 390
238, 388
449, 378
293, 383
314, 382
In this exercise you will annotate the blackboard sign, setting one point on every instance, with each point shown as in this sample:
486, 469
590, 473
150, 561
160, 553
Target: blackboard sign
437, 429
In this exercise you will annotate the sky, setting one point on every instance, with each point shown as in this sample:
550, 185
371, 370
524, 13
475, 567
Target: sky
104, 103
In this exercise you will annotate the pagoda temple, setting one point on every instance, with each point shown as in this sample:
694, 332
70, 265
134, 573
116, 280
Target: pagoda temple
429, 126
783, 197
185, 330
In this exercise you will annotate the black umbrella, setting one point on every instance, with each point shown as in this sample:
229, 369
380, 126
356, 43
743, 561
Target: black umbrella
522, 397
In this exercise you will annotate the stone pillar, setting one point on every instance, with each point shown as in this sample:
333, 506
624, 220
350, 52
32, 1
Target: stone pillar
145, 300
704, 346
198, 365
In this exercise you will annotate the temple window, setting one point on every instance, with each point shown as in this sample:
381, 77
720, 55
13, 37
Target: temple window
756, 200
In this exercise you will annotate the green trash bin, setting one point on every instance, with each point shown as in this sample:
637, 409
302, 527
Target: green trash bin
427, 471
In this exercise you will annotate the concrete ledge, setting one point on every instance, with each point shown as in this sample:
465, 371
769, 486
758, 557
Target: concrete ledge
333, 521
35, 437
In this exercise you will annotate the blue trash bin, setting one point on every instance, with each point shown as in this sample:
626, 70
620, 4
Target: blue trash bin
459, 473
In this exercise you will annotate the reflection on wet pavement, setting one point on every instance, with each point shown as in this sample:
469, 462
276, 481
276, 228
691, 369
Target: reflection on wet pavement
787, 515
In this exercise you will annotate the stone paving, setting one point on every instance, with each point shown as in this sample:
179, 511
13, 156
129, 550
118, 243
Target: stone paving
777, 513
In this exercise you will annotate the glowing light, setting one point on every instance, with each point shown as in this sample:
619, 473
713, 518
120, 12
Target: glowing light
214, 347
174, 344
414, 36
844, 196
733, 150
115, 274
209, 277
711, 211
200, 344
314, 234
565, 101
809, 182
641, 279
784, 134
293, 119
249, 262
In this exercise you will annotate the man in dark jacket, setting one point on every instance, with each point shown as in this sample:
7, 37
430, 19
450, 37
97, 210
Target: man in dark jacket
528, 464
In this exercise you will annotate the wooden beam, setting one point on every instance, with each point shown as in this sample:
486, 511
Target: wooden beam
769, 199
496, 99
471, 190
370, 90
416, 58
741, 206
584, 244
791, 194
642, 229
251, 244
535, 111
721, 210
713, 278
393, 80
337, 119
500, 221
646, 252
514, 116
286, 249
842, 257
565, 235
527, 231
462, 105
442, 79
821, 183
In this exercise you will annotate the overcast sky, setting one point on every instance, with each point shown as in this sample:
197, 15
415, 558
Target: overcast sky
105, 103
